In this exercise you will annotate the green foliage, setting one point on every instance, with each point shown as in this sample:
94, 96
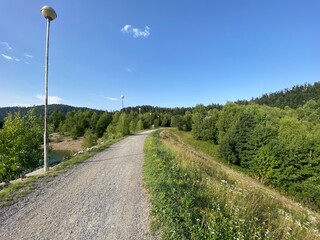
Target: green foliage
122, 128
308, 190
177, 122
293, 98
55, 119
89, 139
204, 124
110, 132
39, 110
102, 124
20, 141
139, 126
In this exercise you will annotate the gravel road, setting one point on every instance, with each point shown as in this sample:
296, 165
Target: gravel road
101, 198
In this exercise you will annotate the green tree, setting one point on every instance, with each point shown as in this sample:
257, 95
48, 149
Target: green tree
122, 128
139, 125
228, 126
56, 118
187, 119
102, 124
89, 139
20, 141
177, 122
165, 120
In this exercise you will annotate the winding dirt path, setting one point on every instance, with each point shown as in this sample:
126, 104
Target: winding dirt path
99, 199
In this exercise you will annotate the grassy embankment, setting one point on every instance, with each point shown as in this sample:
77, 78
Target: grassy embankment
195, 197
21, 188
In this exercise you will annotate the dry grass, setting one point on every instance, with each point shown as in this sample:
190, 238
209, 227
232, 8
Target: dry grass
65, 143
246, 196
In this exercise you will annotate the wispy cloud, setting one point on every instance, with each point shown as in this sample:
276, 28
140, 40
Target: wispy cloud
129, 70
28, 55
136, 32
6, 57
6, 45
25, 58
51, 99
113, 99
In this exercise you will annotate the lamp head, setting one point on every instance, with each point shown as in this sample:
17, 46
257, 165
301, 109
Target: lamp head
48, 13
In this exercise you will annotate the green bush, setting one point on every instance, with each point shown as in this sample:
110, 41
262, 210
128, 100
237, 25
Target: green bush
20, 141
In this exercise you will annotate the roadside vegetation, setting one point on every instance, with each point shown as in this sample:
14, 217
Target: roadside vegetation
21, 136
195, 197
21, 188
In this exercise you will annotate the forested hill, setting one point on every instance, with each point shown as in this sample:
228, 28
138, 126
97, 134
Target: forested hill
294, 98
152, 109
64, 109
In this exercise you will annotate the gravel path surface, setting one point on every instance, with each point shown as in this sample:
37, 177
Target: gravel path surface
101, 198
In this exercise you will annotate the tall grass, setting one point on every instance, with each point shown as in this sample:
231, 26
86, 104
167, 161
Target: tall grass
193, 200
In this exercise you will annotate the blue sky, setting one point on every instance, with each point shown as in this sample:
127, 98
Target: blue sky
168, 53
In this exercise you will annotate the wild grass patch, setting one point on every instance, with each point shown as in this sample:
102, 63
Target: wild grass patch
191, 200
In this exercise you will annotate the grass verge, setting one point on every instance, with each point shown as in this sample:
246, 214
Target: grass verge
21, 188
191, 199
209, 149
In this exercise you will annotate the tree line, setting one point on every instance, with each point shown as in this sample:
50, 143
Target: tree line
294, 97
64, 109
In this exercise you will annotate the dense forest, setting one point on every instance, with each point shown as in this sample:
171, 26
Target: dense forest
295, 97
275, 137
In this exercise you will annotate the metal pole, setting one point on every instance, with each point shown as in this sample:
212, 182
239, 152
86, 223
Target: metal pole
122, 110
150, 121
45, 142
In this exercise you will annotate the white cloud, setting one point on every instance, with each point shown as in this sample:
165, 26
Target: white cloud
126, 28
28, 55
26, 62
6, 45
136, 32
6, 57
113, 99
17, 59
51, 99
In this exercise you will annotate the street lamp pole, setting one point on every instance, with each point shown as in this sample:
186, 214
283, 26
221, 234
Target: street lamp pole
122, 99
49, 15
122, 110
150, 120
